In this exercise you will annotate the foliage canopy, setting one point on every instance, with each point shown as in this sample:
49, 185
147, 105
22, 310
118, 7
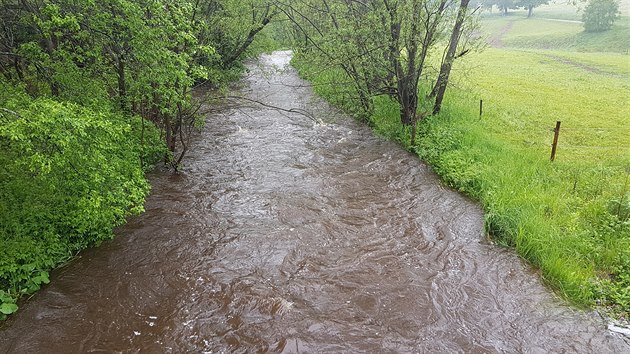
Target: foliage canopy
600, 15
385, 48
92, 94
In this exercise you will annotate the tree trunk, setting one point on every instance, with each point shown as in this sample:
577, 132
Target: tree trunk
408, 99
530, 12
413, 131
51, 48
442, 81
168, 130
250, 38
18, 68
122, 83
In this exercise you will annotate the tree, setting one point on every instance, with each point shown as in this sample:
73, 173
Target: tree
600, 15
142, 55
92, 93
505, 5
230, 26
69, 175
382, 46
530, 5
447, 63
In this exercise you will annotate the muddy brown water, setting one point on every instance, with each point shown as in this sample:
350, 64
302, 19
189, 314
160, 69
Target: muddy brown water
282, 235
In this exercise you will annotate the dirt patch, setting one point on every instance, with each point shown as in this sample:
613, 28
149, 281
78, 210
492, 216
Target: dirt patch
496, 41
585, 67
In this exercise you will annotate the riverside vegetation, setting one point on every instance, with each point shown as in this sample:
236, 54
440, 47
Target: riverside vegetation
569, 218
92, 95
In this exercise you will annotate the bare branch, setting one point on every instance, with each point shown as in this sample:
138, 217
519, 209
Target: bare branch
290, 110
10, 112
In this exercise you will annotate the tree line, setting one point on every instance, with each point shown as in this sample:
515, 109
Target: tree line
400, 49
92, 93
597, 15
95, 92
144, 55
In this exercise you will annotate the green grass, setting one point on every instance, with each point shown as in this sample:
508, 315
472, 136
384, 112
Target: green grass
615, 63
560, 10
549, 29
527, 92
560, 216
557, 215
568, 218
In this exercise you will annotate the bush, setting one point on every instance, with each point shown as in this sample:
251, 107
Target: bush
68, 175
599, 15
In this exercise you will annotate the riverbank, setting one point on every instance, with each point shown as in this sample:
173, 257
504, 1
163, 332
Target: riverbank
283, 234
568, 218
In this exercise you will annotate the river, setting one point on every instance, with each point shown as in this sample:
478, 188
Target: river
283, 234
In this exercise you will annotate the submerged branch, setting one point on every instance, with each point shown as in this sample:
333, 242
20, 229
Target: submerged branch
290, 110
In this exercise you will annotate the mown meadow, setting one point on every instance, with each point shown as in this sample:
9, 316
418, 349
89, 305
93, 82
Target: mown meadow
569, 218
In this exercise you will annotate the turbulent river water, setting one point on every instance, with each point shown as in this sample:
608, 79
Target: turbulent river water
281, 234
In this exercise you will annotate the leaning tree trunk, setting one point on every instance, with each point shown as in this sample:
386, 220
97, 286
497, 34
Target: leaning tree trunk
442, 81
236, 54
122, 83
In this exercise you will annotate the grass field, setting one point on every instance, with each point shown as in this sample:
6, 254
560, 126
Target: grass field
526, 92
557, 27
569, 218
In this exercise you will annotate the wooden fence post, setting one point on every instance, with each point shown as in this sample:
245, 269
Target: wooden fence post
554, 146
480, 108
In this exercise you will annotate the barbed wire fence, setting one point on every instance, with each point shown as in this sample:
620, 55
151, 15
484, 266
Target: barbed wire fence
555, 142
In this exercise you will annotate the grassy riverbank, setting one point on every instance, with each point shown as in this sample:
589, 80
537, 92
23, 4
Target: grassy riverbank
569, 218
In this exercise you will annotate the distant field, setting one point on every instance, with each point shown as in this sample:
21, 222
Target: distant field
545, 70
556, 27
562, 10
526, 92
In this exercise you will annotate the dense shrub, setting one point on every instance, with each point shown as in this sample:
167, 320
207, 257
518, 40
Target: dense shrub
599, 15
68, 175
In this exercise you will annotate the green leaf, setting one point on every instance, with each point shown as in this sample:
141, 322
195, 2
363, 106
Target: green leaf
8, 309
